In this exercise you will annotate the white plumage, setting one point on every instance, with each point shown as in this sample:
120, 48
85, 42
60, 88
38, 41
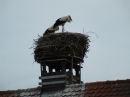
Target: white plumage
61, 21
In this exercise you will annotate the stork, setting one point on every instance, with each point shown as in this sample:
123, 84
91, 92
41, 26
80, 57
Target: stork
61, 21
51, 29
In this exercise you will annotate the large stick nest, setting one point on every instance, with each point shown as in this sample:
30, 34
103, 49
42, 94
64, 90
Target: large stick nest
56, 44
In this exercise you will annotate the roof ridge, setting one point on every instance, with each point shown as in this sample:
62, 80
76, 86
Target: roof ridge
39, 87
118, 80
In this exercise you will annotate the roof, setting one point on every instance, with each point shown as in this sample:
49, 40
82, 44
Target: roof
30, 92
116, 88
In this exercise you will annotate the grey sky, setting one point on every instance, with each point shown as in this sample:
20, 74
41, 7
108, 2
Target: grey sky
22, 20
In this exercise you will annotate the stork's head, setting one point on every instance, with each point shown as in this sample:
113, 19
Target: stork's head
69, 18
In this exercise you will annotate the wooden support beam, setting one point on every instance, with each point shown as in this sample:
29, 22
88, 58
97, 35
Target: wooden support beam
50, 69
77, 71
80, 74
63, 66
41, 69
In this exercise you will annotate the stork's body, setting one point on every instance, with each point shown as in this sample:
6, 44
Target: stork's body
61, 21
51, 29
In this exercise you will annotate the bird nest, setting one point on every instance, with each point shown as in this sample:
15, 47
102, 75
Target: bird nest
60, 44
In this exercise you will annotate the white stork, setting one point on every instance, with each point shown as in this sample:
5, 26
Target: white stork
51, 29
61, 21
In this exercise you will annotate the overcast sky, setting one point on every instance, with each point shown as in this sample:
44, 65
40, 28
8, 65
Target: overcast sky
22, 20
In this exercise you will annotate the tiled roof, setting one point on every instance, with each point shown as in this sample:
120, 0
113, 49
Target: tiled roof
31, 92
118, 88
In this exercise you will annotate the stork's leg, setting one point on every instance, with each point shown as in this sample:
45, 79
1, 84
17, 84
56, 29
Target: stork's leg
62, 28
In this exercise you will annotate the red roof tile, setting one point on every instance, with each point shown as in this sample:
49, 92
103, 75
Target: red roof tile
118, 88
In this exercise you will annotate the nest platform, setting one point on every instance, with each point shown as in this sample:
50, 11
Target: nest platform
61, 45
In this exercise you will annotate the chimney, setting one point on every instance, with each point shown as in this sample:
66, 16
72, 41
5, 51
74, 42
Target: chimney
59, 54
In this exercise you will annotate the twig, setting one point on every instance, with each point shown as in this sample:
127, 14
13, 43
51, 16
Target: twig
92, 32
